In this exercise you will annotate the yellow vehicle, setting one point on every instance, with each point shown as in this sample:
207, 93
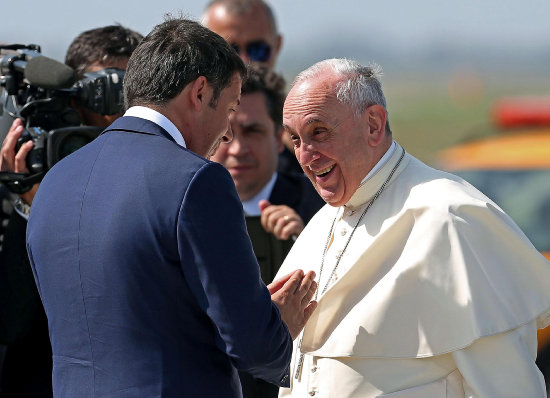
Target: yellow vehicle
512, 167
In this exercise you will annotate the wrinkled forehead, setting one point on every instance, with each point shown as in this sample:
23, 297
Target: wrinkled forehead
315, 95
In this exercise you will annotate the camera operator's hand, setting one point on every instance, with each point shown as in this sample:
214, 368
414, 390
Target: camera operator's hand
15, 162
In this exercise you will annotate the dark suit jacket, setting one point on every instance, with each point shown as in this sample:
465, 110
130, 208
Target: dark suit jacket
141, 257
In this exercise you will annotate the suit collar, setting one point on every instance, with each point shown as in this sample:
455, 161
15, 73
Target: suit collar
285, 192
138, 125
157, 118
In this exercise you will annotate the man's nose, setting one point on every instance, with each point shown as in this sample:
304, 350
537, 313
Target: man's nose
306, 154
228, 136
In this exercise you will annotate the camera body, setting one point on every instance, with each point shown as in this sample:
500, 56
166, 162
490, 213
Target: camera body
50, 146
42, 92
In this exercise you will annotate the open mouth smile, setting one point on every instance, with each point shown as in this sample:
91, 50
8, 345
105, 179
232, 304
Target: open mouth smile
324, 172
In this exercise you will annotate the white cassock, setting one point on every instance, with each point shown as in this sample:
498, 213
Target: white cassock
438, 294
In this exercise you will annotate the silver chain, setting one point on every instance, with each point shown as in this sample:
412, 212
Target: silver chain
376, 195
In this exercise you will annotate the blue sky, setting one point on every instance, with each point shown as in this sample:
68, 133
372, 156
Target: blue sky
346, 27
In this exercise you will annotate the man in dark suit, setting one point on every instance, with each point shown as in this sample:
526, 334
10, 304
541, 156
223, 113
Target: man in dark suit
26, 371
276, 204
139, 248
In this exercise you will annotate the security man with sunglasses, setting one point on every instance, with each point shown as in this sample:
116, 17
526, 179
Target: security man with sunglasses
249, 26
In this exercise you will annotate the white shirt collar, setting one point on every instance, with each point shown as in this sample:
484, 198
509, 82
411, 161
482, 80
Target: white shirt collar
250, 206
381, 162
157, 118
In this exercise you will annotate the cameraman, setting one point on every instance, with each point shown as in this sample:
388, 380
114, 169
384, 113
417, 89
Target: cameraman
25, 370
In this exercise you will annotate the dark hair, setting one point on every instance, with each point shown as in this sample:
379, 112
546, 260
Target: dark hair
101, 45
173, 55
272, 86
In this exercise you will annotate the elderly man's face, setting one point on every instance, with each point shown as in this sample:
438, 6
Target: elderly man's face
251, 33
330, 142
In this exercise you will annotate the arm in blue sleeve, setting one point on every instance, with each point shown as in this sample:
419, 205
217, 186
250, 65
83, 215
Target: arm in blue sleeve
226, 278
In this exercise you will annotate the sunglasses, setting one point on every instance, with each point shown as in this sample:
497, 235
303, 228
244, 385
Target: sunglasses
257, 51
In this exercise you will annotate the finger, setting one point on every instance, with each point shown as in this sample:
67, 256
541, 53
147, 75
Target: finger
309, 295
292, 228
263, 204
265, 218
309, 310
279, 283
20, 164
279, 225
14, 125
305, 284
294, 282
270, 216
8, 146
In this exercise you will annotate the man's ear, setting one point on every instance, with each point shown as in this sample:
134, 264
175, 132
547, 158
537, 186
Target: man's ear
199, 93
376, 118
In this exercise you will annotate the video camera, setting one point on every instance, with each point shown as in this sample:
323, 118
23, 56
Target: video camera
39, 90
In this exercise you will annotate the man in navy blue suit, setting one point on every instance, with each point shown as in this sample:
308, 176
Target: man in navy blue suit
139, 247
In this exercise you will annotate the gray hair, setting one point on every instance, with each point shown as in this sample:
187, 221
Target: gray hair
360, 86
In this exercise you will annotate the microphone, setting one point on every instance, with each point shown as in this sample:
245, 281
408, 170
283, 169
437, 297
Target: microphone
48, 73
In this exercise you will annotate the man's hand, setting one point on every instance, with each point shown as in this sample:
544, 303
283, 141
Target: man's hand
292, 294
15, 162
280, 220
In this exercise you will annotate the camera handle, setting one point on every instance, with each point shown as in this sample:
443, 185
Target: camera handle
20, 183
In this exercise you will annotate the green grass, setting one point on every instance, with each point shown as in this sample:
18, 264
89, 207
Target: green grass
425, 119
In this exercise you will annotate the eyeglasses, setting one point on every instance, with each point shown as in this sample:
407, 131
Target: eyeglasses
257, 51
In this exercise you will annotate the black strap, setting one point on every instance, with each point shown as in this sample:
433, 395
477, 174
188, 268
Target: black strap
20, 183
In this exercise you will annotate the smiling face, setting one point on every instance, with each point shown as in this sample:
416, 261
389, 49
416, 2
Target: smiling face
251, 157
335, 147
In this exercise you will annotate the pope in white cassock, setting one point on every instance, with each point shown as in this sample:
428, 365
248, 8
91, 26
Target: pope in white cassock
427, 289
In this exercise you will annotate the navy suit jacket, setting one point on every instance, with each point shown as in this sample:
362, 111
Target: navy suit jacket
140, 253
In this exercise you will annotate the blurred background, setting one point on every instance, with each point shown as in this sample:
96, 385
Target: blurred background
445, 62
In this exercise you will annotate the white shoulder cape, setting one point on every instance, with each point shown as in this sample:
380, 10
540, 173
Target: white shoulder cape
433, 266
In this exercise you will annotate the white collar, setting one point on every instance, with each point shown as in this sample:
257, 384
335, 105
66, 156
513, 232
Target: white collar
159, 119
381, 162
250, 206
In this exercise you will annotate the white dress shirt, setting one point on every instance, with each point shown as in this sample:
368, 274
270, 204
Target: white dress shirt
157, 118
250, 206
